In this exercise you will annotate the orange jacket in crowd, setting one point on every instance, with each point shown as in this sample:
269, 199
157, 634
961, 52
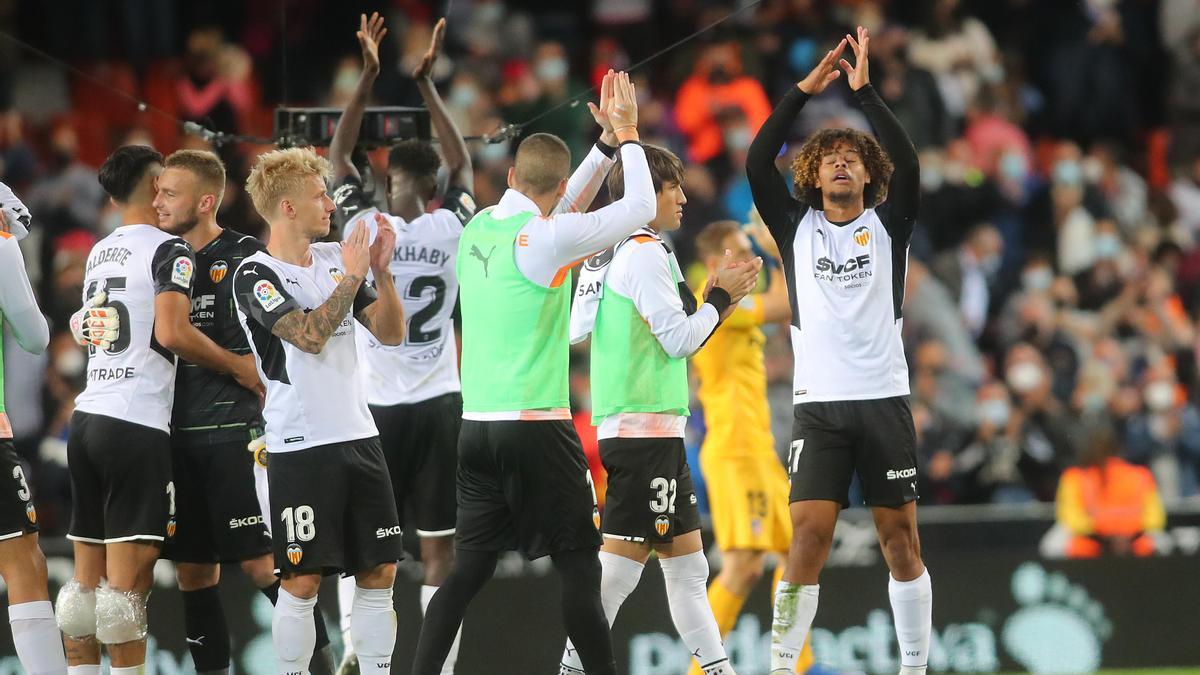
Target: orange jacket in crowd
698, 102
1118, 501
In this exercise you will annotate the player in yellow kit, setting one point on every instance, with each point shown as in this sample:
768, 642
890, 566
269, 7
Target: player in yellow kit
747, 484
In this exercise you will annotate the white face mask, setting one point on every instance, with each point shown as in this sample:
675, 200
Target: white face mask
70, 363
1160, 396
1024, 377
994, 411
1037, 279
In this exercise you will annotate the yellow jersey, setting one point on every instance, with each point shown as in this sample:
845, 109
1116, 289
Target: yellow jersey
733, 385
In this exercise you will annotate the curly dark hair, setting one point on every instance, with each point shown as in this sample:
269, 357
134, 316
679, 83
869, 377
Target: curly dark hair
806, 165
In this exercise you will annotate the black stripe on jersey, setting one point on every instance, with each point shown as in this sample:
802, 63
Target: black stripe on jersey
270, 351
787, 254
899, 271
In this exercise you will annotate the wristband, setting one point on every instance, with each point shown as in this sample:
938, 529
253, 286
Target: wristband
608, 150
719, 298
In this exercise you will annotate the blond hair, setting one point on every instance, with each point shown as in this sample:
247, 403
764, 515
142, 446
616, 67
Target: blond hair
280, 173
205, 166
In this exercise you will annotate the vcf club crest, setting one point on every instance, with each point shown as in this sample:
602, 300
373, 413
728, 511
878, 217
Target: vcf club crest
662, 525
171, 527
295, 554
217, 271
862, 236
336, 275
31, 513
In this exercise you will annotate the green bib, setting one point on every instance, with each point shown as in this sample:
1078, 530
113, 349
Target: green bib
630, 370
515, 346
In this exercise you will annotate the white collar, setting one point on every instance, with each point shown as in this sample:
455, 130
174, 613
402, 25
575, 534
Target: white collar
513, 202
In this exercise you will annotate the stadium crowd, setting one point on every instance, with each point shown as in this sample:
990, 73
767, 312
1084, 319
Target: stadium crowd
1055, 271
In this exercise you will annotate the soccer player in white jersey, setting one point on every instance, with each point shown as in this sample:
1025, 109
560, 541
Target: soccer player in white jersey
118, 450
413, 389
523, 481
645, 323
332, 509
22, 564
844, 242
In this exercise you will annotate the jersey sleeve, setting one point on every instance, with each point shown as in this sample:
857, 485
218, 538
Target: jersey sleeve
351, 200
461, 203
365, 297
173, 267
899, 212
779, 210
647, 277
260, 294
18, 307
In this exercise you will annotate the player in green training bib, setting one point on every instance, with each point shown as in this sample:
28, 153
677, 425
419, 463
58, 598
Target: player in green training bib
644, 323
523, 481
22, 565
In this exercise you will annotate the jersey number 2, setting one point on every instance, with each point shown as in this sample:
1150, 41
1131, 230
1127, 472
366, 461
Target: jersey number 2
415, 291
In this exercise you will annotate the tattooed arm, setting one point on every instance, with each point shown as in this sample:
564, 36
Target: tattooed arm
309, 331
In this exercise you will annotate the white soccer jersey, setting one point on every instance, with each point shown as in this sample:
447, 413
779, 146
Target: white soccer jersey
847, 291
425, 365
312, 399
134, 379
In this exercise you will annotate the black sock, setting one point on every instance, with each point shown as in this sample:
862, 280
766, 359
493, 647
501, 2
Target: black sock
272, 593
207, 635
583, 614
471, 570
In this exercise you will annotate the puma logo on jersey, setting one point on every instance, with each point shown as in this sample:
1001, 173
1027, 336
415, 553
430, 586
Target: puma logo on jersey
476, 253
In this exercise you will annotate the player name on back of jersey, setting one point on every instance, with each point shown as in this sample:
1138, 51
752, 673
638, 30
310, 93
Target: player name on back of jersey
421, 254
103, 374
113, 254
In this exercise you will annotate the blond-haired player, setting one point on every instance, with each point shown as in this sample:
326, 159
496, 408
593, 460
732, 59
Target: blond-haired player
300, 304
747, 484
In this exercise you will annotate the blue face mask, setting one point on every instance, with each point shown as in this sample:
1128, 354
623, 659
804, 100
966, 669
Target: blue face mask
551, 70
1068, 172
463, 96
1107, 246
1013, 166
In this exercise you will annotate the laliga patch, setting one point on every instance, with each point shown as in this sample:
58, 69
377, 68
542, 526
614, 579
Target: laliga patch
217, 271
181, 272
267, 295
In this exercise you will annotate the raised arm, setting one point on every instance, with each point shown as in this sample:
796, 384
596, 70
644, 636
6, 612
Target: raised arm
454, 148
904, 190
771, 195
585, 181
384, 316
345, 137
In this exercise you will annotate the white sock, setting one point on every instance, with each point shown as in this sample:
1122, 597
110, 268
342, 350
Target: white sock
452, 657
139, 669
618, 577
293, 633
686, 578
795, 608
36, 637
89, 669
912, 608
373, 629
345, 586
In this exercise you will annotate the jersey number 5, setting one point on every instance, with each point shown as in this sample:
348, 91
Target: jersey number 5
113, 286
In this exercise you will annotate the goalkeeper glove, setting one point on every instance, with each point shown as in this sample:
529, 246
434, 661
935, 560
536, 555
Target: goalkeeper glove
96, 325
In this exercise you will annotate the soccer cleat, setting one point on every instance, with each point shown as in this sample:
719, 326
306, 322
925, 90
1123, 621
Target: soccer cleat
723, 667
564, 669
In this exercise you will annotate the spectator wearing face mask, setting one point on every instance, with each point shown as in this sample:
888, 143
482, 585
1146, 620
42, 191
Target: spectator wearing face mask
1108, 504
717, 84
988, 469
1165, 435
1103, 281
969, 272
1047, 429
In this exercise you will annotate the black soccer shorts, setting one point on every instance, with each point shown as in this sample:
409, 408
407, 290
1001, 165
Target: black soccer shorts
650, 496
831, 441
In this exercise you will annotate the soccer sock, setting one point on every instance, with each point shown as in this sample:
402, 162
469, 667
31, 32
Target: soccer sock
36, 637
373, 628
726, 606
89, 669
139, 669
912, 608
795, 608
685, 578
619, 576
204, 626
322, 661
427, 593
583, 610
293, 633
471, 571
345, 592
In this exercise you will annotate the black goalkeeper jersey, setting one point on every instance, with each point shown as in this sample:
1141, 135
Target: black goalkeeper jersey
206, 400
